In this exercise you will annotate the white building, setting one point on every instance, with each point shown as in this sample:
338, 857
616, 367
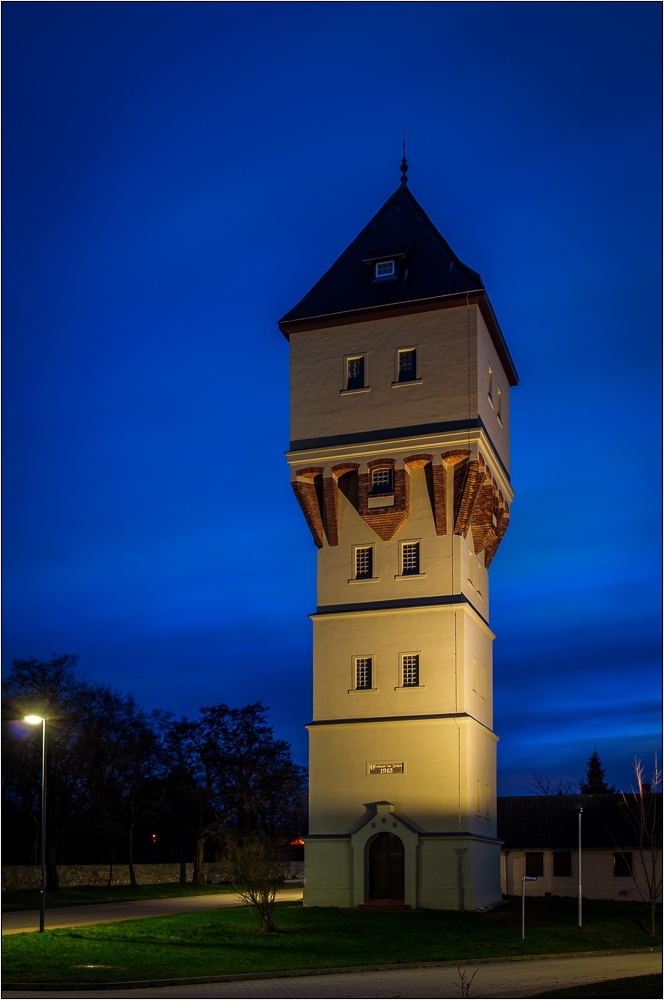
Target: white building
400, 421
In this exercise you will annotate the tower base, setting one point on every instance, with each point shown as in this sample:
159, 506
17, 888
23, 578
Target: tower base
437, 871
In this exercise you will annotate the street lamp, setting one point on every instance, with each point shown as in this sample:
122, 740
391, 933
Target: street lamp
34, 720
580, 893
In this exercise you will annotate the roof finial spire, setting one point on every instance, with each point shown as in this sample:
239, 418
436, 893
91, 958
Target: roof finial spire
404, 164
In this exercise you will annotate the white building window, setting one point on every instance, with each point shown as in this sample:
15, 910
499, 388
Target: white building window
410, 559
355, 372
407, 365
410, 670
363, 673
385, 269
381, 481
364, 562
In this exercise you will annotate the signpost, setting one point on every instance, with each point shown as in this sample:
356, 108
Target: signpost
524, 879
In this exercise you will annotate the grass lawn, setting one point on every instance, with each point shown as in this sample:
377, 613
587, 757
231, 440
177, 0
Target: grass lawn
81, 895
634, 988
218, 942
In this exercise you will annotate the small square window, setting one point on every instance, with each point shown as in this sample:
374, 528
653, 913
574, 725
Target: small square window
562, 863
364, 562
381, 481
410, 666
407, 365
363, 671
622, 863
385, 269
410, 559
355, 372
534, 864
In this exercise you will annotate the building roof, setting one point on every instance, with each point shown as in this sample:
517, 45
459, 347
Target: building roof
429, 272
550, 822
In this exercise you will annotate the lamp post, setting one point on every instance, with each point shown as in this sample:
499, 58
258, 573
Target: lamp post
580, 919
34, 720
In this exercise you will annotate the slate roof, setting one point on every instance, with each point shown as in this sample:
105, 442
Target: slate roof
428, 270
550, 822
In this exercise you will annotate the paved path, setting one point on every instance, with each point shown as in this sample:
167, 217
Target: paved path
107, 913
508, 980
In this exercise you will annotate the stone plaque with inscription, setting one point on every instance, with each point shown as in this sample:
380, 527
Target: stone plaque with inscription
391, 767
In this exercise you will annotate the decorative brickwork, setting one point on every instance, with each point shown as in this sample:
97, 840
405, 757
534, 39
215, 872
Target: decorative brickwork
439, 482
484, 519
385, 521
331, 509
417, 461
307, 498
311, 472
381, 463
503, 524
343, 467
455, 457
468, 478
489, 516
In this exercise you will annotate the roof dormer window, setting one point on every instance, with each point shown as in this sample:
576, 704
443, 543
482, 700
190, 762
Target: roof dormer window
385, 269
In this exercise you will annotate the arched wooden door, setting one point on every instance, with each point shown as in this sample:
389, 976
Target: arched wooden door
386, 864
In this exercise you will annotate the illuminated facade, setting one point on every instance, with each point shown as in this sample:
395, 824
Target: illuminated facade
400, 417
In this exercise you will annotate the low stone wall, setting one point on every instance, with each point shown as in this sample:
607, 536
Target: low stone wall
29, 876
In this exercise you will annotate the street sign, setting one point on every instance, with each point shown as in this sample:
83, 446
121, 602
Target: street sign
530, 878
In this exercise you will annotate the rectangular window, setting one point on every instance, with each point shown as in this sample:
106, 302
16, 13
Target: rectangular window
562, 863
499, 406
407, 365
487, 802
479, 798
363, 671
364, 562
410, 559
534, 864
622, 863
381, 481
410, 667
355, 372
490, 383
471, 567
480, 579
475, 676
385, 269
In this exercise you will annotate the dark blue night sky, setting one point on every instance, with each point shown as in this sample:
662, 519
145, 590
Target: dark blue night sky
176, 177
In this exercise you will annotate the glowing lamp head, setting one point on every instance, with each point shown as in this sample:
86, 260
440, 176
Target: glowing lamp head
33, 720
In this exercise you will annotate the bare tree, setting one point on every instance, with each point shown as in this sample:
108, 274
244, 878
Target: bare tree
543, 783
643, 819
465, 981
257, 871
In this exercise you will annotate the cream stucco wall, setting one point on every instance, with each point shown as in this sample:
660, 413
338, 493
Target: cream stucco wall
443, 761
442, 338
448, 562
443, 805
598, 880
454, 647
498, 428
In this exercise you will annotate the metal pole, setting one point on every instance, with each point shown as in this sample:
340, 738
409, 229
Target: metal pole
523, 907
42, 895
580, 894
